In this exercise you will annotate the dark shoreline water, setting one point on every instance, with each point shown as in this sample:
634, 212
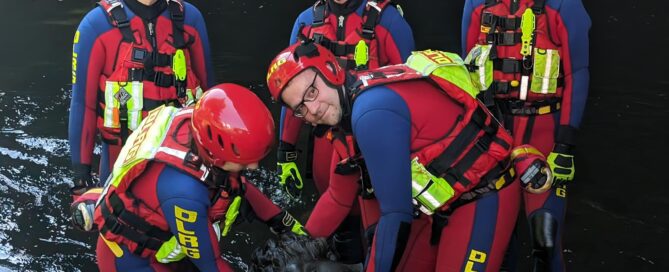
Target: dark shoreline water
617, 217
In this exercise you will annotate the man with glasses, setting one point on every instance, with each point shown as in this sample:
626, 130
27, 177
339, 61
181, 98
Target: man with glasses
362, 35
434, 154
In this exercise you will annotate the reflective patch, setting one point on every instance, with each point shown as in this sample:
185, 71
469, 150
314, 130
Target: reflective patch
122, 96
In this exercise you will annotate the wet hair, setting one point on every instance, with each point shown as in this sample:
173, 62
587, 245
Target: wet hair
295, 253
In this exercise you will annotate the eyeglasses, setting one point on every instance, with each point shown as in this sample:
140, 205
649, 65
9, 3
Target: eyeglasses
310, 95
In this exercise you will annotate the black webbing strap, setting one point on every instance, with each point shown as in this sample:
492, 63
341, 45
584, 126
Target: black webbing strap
372, 17
520, 107
347, 64
456, 173
177, 16
123, 122
443, 162
489, 3
161, 79
121, 21
135, 221
505, 38
319, 14
503, 87
339, 50
113, 225
539, 7
504, 23
488, 185
508, 66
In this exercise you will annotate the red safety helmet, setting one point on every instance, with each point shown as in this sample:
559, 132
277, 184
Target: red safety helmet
297, 58
231, 124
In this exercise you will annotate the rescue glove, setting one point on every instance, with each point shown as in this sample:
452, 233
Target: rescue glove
285, 222
83, 181
82, 210
289, 174
561, 161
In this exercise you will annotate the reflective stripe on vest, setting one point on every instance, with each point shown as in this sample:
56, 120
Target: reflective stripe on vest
127, 94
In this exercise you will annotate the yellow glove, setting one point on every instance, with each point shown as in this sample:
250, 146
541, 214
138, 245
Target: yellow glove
561, 162
289, 174
284, 222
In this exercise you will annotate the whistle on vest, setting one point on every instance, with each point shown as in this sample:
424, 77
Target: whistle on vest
231, 215
361, 55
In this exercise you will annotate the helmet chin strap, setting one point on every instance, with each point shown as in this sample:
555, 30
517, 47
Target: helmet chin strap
345, 104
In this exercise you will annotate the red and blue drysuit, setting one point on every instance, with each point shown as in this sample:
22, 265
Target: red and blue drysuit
162, 188
394, 43
390, 122
95, 57
562, 25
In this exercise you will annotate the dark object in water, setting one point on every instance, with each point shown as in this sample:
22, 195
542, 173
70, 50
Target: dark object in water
297, 253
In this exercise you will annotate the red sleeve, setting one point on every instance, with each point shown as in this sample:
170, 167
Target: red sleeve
262, 206
334, 205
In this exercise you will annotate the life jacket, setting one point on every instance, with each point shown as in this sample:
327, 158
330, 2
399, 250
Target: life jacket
357, 49
475, 150
515, 60
152, 68
120, 216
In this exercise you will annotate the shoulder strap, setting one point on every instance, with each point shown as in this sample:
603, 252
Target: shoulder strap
539, 6
372, 16
176, 9
115, 11
489, 3
319, 12
383, 75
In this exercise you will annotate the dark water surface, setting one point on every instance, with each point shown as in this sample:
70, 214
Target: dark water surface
617, 218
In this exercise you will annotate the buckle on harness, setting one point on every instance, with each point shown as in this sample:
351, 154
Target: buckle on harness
116, 227
510, 66
122, 24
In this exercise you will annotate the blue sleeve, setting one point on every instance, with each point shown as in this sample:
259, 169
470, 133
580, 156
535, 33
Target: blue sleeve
574, 35
184, 201
399, 30
194, 17
306, 18
382, 127
470, 5
81, 134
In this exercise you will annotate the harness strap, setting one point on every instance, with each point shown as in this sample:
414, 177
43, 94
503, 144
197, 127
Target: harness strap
489, 3
319, 14
339, 50
520, 107
506, 38
440, 218
372, 16
345, 146
135, 221
441, 164
119, 18
539, 7
508, 66
504, 23
123, 120
176, 10
114, 225
456, 173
